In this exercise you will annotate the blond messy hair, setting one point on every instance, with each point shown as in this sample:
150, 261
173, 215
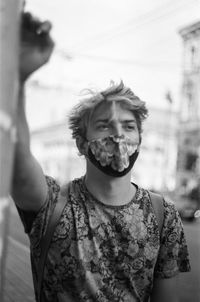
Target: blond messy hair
81, 113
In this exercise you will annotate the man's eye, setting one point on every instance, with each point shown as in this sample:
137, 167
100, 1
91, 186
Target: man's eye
102, 127
130, 127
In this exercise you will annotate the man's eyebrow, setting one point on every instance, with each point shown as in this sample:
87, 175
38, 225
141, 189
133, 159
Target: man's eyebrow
107, 120
129, 121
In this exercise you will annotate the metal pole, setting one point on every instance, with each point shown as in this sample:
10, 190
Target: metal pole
9, 54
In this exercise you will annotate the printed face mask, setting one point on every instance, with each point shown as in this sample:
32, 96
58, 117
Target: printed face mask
113, 155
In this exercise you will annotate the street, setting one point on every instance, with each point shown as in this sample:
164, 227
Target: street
18, 283
189, 287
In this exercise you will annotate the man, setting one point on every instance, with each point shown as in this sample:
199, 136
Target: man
106, 246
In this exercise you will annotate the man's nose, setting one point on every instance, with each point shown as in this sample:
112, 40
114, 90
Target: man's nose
117, 129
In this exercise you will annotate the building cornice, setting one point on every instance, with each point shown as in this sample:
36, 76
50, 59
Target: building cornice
190, 30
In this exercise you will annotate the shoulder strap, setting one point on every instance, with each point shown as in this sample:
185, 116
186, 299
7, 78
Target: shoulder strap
157, 202
46, 239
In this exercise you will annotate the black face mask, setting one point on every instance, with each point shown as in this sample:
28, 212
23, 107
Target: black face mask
108, 170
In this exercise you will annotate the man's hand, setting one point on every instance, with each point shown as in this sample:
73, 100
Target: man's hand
36, 45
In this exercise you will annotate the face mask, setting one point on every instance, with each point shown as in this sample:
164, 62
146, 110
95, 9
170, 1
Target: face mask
113, 155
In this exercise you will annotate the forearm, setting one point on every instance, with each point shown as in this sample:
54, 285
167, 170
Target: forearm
29, 186
22, 147
22, 125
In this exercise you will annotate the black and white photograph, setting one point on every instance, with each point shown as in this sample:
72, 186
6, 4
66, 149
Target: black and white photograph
99, 151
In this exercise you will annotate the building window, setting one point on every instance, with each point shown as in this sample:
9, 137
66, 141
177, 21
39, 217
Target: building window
191, 161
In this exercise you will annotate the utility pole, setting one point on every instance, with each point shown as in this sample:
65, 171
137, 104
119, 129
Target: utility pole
9, 54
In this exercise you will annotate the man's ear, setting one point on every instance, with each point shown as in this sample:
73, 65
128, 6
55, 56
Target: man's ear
81, 144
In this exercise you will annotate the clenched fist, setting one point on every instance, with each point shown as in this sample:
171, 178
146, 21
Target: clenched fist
36, 45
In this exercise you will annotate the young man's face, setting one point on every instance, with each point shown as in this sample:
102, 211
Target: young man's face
112, 119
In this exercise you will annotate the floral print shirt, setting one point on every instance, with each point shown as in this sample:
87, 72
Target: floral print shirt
102, 253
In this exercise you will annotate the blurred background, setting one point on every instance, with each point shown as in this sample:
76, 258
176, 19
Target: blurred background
154, 48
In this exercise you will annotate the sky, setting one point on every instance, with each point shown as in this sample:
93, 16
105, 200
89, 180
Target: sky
97, 41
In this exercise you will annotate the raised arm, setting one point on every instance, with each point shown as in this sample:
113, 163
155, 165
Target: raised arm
29, 187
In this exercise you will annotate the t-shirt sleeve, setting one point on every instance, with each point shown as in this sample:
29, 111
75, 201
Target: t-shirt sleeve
173, 255
35, 223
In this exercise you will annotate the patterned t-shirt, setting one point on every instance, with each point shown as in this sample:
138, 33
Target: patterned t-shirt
102, 253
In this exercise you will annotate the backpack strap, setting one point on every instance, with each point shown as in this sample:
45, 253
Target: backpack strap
157, 202
46, 239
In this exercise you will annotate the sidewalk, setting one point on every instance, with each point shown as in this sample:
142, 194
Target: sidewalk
18, 283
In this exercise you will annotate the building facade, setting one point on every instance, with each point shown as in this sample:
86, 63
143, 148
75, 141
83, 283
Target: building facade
188, 164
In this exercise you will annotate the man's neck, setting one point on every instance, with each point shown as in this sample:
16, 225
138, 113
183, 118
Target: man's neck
110, 190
